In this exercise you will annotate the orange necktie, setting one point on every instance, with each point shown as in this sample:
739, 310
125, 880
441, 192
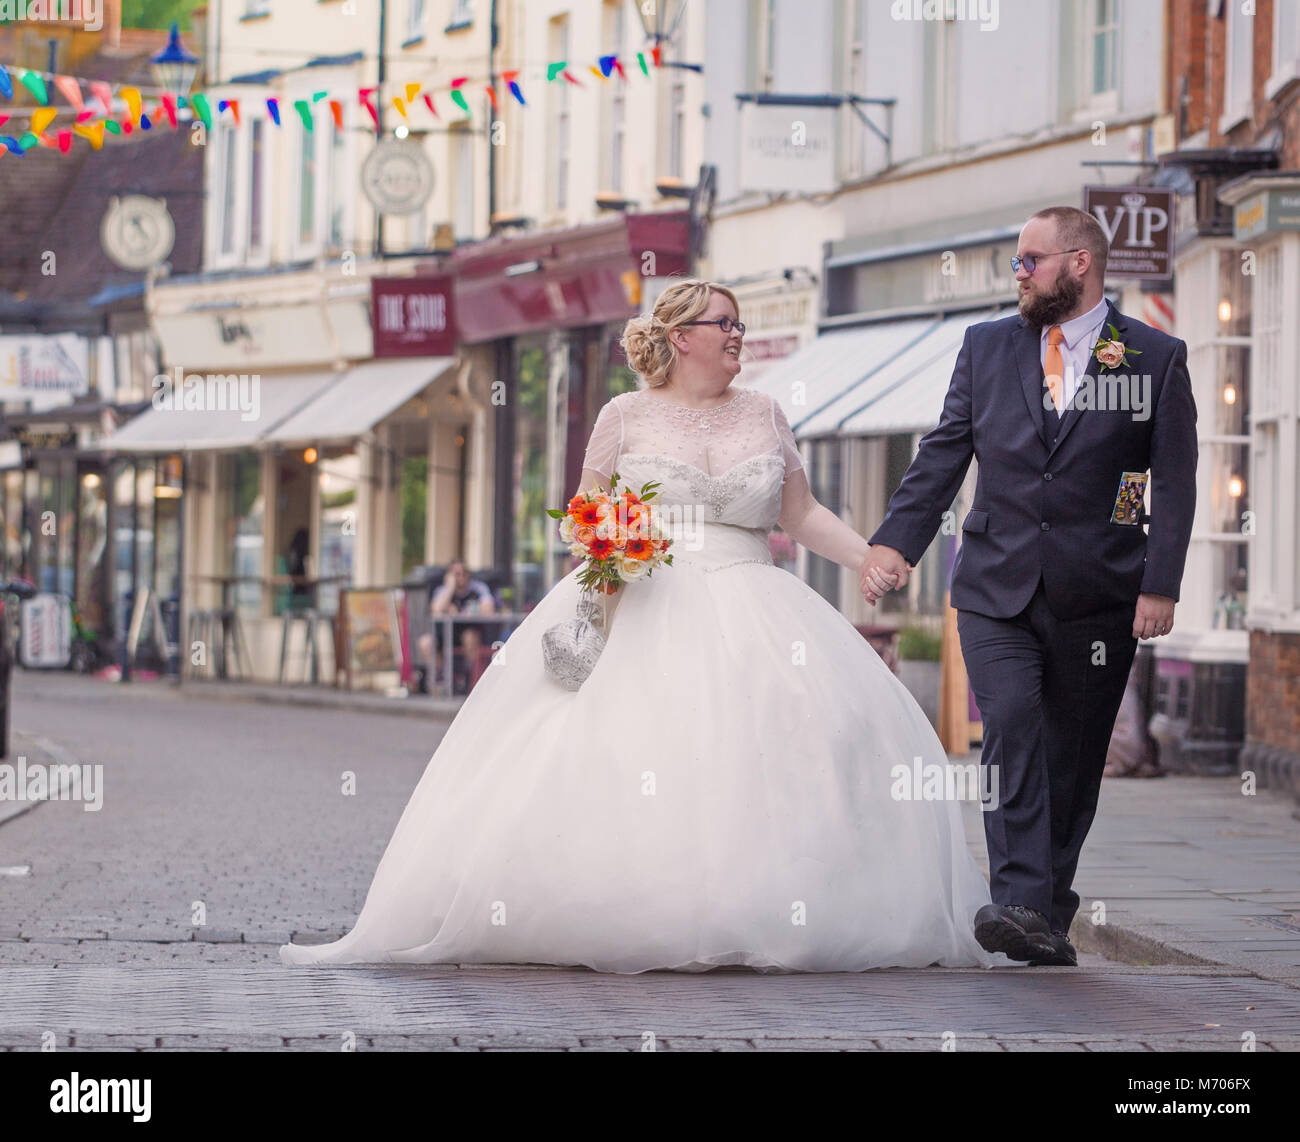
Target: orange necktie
1053, 366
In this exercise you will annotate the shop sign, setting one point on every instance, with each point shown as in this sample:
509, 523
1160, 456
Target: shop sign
413, 317
1137, 221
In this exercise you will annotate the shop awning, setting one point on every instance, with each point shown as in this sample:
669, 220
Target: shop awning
360, 399
904, 393
821, 372
251, 407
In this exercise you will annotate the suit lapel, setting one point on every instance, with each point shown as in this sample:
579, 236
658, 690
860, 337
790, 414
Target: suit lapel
1072, 415
1028, 345
1028, 349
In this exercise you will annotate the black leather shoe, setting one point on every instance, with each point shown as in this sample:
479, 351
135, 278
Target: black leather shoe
1017, 932
1062, 954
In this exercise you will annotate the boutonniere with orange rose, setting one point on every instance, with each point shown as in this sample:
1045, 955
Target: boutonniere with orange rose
1113, 352
620, 539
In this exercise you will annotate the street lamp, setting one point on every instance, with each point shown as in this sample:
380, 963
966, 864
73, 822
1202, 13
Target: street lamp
662, 14
174, 68
659, 20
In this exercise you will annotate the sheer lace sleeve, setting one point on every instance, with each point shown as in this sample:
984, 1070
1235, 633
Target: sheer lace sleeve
606, 440
784, 433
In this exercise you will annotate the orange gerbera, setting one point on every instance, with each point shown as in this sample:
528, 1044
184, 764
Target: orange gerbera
588, 513
576, 503
600, 548
639, 549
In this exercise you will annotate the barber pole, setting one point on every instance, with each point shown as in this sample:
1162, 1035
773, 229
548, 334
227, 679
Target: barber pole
1158, 312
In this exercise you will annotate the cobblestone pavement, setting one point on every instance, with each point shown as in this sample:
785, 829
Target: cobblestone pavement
232, 813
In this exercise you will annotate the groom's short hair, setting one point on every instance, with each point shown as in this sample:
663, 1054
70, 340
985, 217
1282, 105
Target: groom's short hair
1079, 230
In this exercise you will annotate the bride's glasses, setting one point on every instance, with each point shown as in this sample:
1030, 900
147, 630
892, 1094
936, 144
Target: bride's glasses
723, 323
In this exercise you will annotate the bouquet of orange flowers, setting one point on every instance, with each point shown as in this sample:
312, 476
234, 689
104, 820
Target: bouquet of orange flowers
620, 538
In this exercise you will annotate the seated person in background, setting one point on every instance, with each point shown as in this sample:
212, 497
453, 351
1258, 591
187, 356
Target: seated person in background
458, 595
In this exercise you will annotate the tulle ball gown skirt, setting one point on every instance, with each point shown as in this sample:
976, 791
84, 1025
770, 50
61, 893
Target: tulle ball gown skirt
721, 790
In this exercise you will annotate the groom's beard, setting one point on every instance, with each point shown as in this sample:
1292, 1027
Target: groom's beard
1042, 310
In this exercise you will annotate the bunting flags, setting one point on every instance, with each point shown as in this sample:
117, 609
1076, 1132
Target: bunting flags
96, 115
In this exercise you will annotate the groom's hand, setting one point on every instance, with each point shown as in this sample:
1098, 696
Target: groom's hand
885, 569
1154, 616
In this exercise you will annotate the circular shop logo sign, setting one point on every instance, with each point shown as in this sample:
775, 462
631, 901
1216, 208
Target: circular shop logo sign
397, 176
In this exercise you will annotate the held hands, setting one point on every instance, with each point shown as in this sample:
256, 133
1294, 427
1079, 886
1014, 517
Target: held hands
885, 569
1153, 617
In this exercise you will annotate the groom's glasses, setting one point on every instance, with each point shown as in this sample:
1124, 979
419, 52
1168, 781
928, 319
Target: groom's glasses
1030, 261
723, 323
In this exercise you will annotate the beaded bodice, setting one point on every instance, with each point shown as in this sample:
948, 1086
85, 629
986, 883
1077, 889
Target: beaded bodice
725, 464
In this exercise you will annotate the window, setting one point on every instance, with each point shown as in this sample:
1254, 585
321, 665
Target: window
941, 93
1286, 46
614, 109
1275, 544
1103, 46
258, 199
676, 130
246, 515
462, 12
559, 109
532, 528
414, 20
307, 233
338, 221
1240, 54
257, 8
226, 176
766, 45
463, 205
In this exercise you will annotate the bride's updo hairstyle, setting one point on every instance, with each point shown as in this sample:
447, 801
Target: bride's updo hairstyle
645, 339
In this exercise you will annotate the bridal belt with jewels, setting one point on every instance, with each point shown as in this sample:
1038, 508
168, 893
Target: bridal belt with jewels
716, 546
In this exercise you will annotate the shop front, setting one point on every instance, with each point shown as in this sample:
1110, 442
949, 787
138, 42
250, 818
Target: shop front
1265, 209
1200, 668
91, 531
540, 317
310, 467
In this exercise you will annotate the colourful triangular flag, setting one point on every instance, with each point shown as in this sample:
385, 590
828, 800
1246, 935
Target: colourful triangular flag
36, 85
132, 97
95, 133
199, 102
101, 91
70, 89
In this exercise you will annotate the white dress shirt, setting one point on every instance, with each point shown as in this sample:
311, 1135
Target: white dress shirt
1081, 335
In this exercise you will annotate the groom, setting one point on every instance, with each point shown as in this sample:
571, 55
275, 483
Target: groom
1057, 576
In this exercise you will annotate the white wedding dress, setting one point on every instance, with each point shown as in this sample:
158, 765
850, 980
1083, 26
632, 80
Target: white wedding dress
719, 789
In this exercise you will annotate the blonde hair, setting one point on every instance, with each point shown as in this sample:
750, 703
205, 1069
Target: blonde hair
645, 339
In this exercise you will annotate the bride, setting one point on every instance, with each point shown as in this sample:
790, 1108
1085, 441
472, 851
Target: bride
720, 789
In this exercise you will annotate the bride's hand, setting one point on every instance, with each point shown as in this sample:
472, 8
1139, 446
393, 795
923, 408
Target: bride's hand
875, 583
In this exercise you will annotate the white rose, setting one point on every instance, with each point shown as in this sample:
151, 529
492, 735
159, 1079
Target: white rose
566, 529
629, 570
576, 549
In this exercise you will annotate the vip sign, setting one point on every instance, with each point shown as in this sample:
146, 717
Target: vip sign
1136, 220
